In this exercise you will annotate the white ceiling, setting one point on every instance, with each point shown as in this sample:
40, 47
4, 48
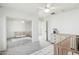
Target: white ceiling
33, 8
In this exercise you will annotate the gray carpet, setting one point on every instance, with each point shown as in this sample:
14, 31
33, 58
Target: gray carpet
17, 43
23, 48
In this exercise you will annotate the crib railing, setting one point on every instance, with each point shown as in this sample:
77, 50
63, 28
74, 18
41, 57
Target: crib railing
66, 46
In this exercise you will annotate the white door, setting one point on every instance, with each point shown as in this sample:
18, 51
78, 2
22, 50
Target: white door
43, 29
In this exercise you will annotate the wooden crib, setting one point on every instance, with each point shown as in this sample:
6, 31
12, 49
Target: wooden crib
66, 46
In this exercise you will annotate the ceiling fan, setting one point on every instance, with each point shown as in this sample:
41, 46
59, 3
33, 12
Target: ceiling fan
48, 9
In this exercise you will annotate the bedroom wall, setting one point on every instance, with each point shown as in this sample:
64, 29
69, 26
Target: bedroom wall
66, 22
16, 25
35, 34
3, 44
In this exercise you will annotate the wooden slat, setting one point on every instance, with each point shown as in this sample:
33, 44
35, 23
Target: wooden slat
63, 47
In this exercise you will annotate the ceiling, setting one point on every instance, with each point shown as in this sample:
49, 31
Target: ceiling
33, 8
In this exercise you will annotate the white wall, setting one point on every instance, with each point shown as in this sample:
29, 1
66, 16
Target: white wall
2, 31
15, 25
35, 34
2, 34
66, 22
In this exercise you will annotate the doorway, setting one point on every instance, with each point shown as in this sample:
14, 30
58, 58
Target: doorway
43, 32
19, 32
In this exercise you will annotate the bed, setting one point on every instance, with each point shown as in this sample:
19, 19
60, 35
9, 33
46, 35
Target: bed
23, 34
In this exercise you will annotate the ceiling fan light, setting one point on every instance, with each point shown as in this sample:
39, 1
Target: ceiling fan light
22, 21
47, 10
